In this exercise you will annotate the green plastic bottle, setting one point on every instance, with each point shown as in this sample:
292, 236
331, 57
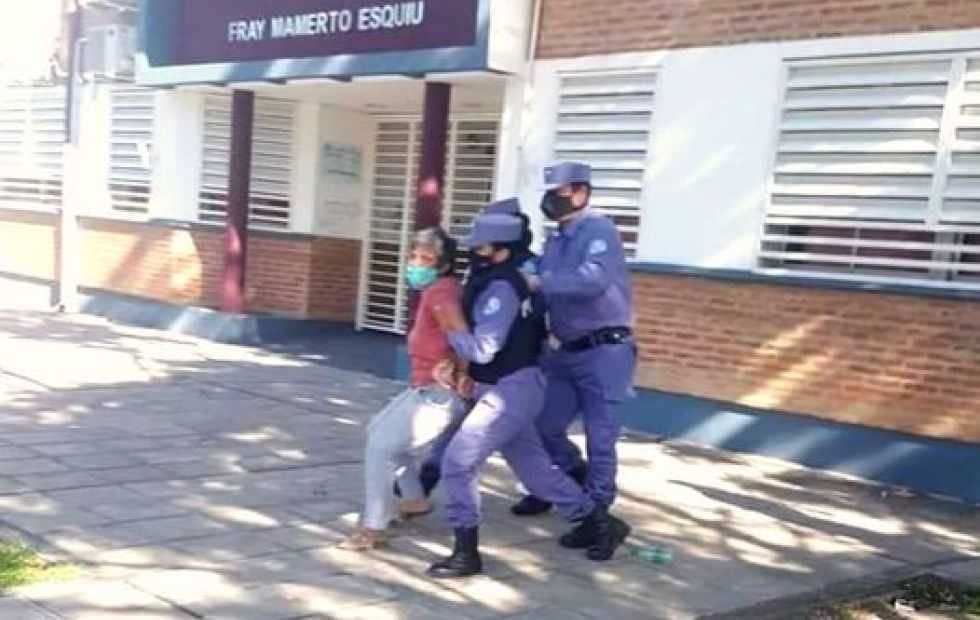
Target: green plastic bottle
654, 554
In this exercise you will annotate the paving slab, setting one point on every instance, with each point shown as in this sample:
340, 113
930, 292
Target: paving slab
101, 600
17, 608
62, 481
212, 594
17, 453
32, 466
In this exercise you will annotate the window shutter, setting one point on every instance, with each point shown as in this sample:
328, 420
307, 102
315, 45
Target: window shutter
469, 178
130, 145
604, 119
397, 145
865, 150
470, 170
32, 138
272, 162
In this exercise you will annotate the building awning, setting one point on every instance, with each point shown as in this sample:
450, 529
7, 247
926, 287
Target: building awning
229, 41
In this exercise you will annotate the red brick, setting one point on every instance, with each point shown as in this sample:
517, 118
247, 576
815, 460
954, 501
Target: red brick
581, 27
889, 361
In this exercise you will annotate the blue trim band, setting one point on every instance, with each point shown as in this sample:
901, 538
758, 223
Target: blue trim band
751, 277
939, 467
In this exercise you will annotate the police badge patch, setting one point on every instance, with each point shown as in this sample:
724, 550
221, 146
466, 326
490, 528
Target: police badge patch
598, 246
492, 307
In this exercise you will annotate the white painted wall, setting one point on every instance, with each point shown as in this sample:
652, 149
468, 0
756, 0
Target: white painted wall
92, 167
507, 174
715, 120
348, 128
510, 28
302, 217
176, 157
711, 153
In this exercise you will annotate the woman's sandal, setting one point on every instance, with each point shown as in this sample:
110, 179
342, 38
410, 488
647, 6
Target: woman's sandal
365, 539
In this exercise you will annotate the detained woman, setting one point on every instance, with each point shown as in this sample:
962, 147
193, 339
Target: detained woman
404, 431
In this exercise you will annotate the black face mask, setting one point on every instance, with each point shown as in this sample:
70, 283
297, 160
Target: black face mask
480, 263
556, 207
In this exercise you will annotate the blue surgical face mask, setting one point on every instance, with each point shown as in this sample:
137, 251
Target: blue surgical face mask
420, 278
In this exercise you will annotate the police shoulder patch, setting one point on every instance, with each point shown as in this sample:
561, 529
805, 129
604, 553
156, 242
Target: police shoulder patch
598, 246
492, 307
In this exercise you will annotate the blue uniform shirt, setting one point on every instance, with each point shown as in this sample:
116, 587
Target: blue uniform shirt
584, 278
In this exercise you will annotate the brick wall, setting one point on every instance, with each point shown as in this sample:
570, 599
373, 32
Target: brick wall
28, 244
583, 27
301, 277
897, 362
334, 278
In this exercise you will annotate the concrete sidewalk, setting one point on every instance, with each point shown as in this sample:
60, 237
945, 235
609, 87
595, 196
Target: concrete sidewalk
196, 480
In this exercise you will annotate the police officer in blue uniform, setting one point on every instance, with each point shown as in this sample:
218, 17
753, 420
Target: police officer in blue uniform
503, 346
586, 287
527, 261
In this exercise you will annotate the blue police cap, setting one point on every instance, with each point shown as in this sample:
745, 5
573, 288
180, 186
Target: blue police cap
494, 228
567, 173
509, 206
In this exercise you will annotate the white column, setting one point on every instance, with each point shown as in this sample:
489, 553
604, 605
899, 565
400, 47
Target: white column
306, 169
91, 190
540, 117
82, 172
178, 143
509, 148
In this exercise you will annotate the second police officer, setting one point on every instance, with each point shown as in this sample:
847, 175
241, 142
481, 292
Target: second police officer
586, 287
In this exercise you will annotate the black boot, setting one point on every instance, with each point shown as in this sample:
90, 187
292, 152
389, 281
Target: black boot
610, 534
600, 530
465, 560
531, 505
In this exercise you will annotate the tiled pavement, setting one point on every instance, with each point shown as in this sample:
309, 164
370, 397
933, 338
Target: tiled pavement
196, 480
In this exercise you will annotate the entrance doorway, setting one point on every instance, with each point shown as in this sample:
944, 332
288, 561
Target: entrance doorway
471, 156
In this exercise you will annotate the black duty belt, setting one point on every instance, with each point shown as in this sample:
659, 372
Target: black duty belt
606, 335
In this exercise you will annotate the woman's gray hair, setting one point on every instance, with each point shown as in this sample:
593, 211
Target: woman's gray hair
443, 245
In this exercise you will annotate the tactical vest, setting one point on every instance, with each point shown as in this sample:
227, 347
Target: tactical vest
524, 341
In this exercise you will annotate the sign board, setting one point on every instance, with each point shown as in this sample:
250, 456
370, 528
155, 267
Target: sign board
244, 30
222, 41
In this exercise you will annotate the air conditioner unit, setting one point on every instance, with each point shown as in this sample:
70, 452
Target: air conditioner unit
109, 51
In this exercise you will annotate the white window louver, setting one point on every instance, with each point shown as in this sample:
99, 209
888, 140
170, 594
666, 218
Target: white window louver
272, 162
32, 137
130, 145
605, 120
470, 168
877, 171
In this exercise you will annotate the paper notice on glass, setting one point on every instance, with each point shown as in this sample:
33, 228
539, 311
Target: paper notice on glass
340, 212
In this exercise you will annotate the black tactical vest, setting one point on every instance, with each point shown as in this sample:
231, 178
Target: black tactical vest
524, 341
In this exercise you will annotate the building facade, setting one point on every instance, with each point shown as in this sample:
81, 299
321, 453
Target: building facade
797, 184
